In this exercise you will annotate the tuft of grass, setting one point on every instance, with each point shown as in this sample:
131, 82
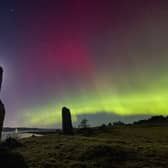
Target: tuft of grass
11, 143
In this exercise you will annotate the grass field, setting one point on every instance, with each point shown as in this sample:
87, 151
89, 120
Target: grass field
123, 147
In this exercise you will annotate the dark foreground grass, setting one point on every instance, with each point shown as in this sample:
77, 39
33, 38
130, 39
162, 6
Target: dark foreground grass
9, 159
133, 147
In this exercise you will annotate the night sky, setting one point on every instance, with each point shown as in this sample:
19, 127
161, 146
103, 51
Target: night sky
106, 60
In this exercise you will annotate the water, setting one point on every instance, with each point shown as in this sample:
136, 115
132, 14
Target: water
17, 134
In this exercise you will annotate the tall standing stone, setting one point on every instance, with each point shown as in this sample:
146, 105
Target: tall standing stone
2, 116
2, 108
1, 74
66, 121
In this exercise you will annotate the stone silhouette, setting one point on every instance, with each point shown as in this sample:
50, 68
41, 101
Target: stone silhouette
2, 108
1, 74
66, 121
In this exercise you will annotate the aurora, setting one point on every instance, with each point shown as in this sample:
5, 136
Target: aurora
148, 101
105, 57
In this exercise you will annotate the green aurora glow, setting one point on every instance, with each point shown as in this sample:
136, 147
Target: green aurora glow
149, 99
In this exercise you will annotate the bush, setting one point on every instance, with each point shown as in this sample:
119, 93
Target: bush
118, 123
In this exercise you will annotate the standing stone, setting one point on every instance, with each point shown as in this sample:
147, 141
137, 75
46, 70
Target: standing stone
2, 108
1, 74
2, 116
66, 121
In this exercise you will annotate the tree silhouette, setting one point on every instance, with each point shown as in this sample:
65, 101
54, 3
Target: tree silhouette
84, 123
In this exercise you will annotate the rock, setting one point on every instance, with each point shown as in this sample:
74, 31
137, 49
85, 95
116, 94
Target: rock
66, 121
1, 74
2, 108
2, 116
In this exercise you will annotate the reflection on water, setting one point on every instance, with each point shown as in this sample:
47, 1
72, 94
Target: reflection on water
17, 134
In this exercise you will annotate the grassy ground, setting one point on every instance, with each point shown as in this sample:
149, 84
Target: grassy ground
133, 147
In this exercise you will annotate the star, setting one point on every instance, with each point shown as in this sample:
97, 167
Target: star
12, 10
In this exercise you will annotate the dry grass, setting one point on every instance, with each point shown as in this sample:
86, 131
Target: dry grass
116, 148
